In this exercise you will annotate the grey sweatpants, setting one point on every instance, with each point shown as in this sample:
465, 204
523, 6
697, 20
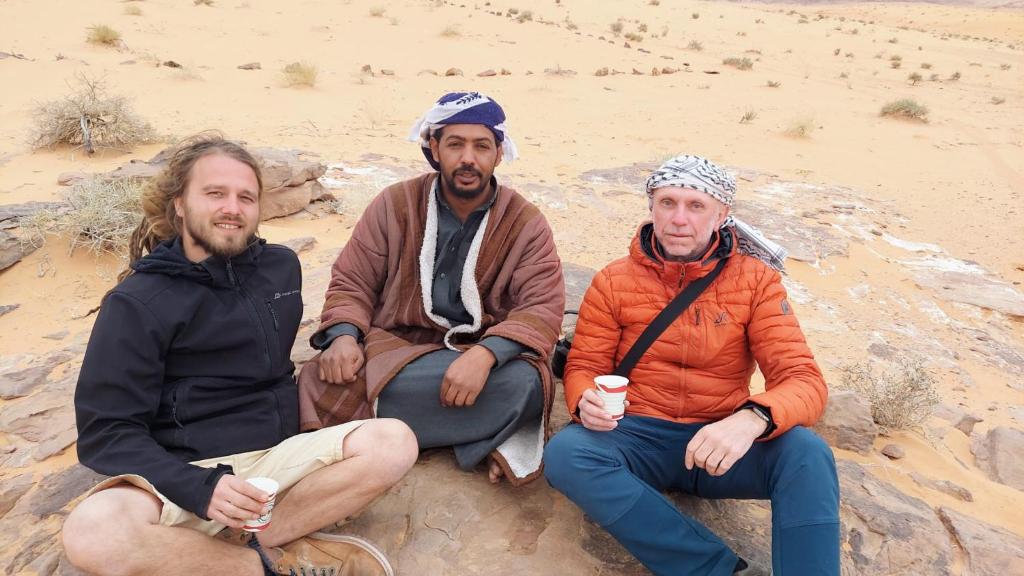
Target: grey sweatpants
511, 398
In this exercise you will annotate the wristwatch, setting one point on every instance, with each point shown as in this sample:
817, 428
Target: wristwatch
763, 414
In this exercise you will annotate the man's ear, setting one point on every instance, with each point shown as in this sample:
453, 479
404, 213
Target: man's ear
501, 154
178, 209
724, 215
435, 149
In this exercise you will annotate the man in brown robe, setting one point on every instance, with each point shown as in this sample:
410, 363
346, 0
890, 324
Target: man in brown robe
445, 303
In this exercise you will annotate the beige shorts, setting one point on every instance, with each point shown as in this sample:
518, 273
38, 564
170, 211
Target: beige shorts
288, 463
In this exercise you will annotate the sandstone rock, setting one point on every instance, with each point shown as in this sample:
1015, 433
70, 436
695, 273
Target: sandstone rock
387, 72
487, 73
847, 422
998, 454
887, 532
289, 200
56, 491
894, 451
59, 335
453, 72
506, 72
944, 486
4, 309
427, 73
13, 212
250, 66
45, 421
300, 245
989, 550
12, 250
966, 424
171, 64
11, 489
16, 382
975, 289
577, 280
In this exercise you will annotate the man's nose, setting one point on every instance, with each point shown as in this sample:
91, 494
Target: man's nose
680, 217
231, 204
468, 157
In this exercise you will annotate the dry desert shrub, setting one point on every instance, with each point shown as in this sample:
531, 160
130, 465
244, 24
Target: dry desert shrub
800, 128
997, 100
300, 74
914, 78
100, 215
89, 118
451, 31
748, 116
926, 66
132, 10
378, 11
654, 2
900, 398
525, 16
695, 46
695, 15
202, 3
103, 35
616, 27
634, 37
774, 84
905, 108
739, 63
955, 76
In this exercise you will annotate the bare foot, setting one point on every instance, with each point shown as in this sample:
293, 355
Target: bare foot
494, 471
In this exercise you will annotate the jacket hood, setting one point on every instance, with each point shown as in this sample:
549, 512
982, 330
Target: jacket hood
168, 258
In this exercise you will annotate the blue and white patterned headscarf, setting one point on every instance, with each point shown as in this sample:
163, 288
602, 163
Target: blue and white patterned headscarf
687, 171
463, 108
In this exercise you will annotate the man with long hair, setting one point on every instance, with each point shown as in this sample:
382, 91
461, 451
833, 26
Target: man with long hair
187, 390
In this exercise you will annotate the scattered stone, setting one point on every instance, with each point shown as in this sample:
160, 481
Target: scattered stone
71, 178
893, 451
300, 245
655, 71
944, 486
128, 63
669, 70
966, 424
5, 308
559, 72
637, 72
427, 73
387, 72
998, 454
12, 250
60, 335
506, 72
453, 72
487, 73
601, 71
847, 422
171, 64
626, 45
250, 66
366, 69
989, 550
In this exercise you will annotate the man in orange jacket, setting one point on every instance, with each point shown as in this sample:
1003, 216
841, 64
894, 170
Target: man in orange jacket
690, 422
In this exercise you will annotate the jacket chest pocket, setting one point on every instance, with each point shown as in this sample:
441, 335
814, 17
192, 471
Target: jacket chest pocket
715, 335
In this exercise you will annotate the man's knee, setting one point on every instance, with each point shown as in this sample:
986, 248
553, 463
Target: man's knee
390, 443
518, 378
803, 448
564, 457
98, 531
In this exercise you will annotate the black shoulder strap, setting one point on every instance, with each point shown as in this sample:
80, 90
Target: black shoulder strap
664, 318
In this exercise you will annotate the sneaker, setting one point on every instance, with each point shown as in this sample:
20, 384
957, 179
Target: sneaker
321, 554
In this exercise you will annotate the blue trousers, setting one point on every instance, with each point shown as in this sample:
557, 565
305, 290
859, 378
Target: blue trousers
617, 477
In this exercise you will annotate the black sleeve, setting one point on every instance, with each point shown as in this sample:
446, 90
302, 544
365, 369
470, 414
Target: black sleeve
117, 397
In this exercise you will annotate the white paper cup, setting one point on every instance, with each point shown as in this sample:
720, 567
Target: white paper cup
612, 391
268, 485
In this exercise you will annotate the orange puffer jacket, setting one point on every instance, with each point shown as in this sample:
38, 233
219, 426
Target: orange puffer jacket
699, 368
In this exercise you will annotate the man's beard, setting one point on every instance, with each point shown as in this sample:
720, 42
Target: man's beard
202, 233
466, 194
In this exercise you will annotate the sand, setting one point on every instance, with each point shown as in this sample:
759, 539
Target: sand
954, 182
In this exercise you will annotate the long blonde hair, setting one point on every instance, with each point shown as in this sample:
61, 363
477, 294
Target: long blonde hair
160, 221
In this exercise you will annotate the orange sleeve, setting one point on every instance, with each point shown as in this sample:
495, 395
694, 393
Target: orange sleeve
595, 341
795, 391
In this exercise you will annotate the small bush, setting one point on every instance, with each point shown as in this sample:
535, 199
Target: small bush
695, 46
905, 108
695, 15
1004, 66
900, 398
748, 116
525, 16
914, 78
202, 2
378, 11
103, 35
893, 40
774, 84
800, 128
100, 215
895, 64
90, 118
616, 27
451, 31
955, 76
300, 74
642, 28
570, 25
997, 100
132, 10
654, 2
739, 63
926, 66
513, 11
634, 37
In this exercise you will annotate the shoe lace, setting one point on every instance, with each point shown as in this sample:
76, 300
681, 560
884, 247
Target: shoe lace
312, 572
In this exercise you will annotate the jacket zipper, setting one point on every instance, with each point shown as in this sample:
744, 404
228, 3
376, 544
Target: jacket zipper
255, 312
273, 315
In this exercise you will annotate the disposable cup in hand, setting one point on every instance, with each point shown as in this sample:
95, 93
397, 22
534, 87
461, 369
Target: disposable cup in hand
268, 485
612, 391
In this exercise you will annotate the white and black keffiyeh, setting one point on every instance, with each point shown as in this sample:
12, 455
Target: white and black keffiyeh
688, 171
463, 108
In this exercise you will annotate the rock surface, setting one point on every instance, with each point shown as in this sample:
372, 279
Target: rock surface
847, 422
989, 550
12, 250
999, 453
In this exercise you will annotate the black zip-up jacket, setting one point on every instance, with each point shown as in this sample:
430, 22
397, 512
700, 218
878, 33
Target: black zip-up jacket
189, 361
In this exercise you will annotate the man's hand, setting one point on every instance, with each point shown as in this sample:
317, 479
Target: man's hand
235, 501
340, 363
466, 377
716, 447
592, 412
